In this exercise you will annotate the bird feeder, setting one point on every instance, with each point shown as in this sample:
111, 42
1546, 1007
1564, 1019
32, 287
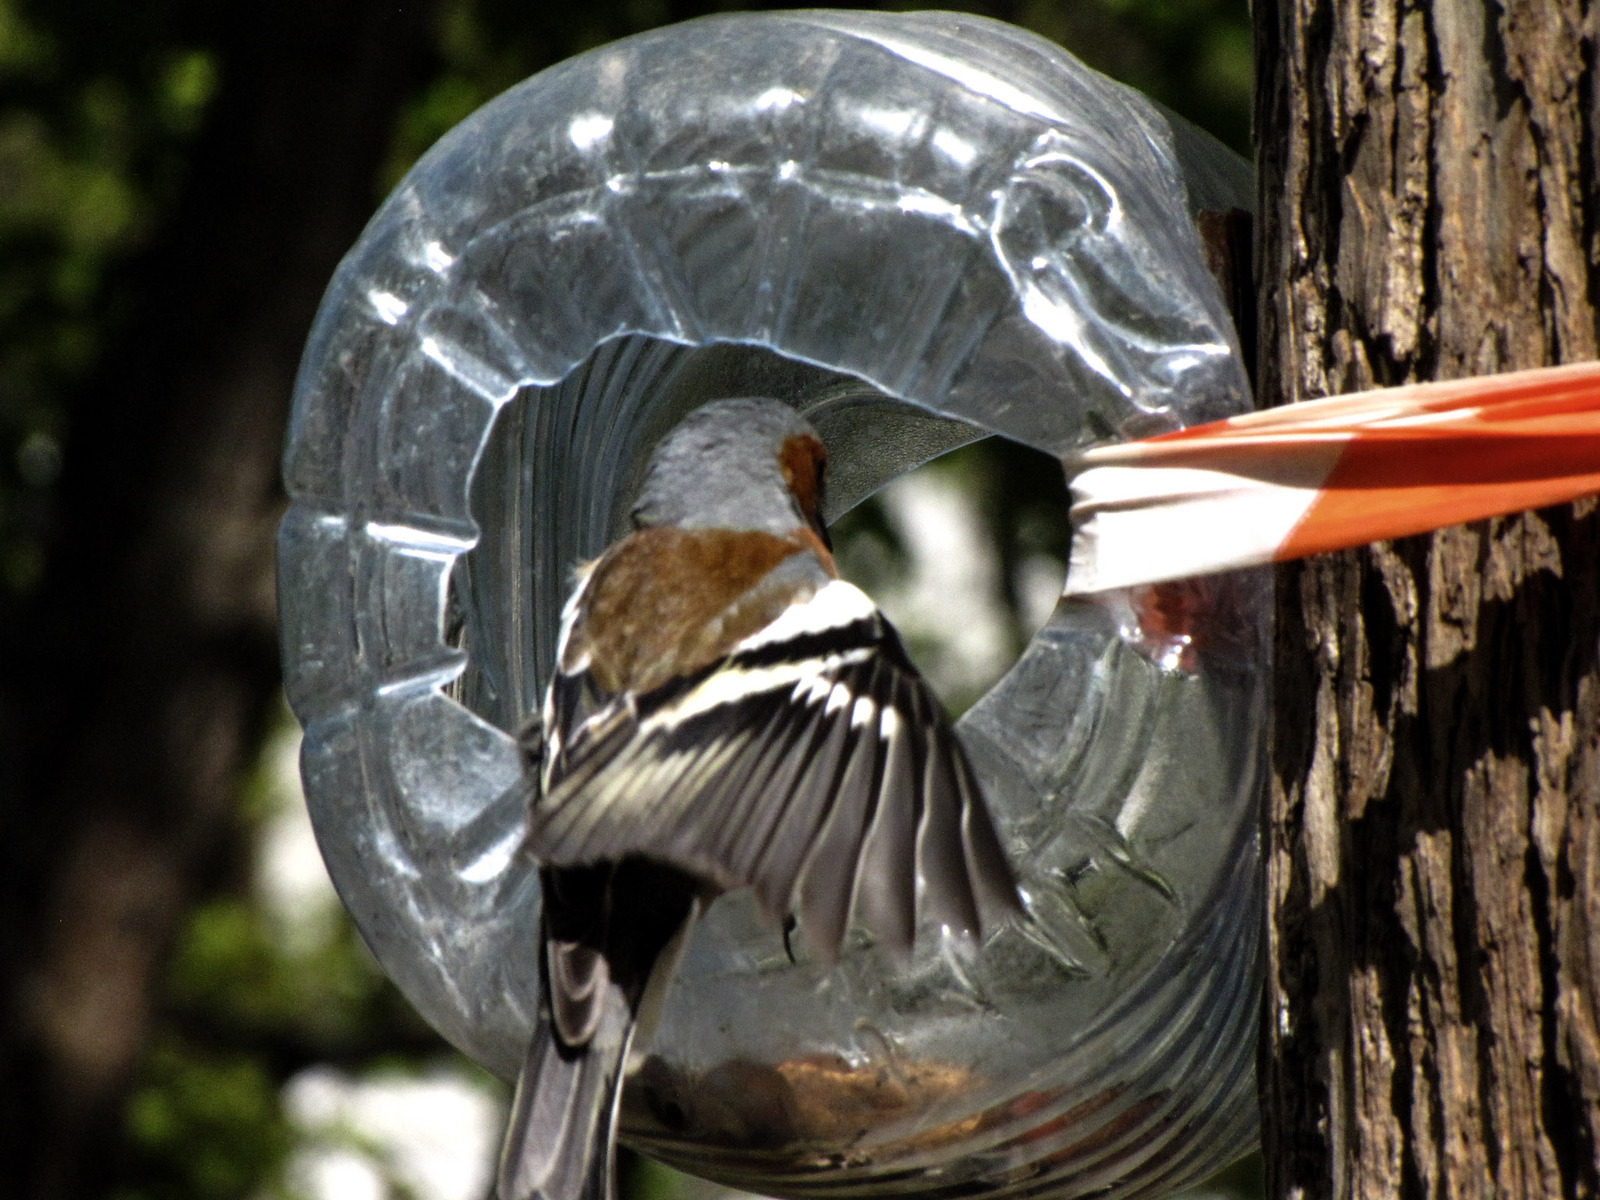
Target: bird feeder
919, 230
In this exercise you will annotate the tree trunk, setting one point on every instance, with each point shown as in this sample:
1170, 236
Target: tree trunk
1429, 210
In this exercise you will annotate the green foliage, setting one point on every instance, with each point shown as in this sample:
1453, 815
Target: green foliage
253, 996
1244, 1179
204, 1125
1192, 55
91, 144
233, 977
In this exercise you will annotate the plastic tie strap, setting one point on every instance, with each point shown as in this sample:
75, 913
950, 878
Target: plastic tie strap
1331, 474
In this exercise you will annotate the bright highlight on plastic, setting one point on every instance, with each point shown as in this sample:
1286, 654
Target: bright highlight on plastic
588, 129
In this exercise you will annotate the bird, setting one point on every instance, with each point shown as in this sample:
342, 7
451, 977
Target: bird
725, 712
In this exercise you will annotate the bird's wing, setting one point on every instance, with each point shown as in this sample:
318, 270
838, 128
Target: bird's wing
813, 764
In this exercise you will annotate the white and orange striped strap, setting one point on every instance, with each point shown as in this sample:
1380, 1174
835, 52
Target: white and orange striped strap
1328, 474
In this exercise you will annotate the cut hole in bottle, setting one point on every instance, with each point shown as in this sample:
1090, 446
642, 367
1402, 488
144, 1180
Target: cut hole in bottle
966, 556
555, 483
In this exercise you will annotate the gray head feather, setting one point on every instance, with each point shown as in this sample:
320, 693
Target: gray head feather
719, 469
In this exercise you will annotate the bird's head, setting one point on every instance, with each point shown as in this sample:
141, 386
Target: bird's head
748, 464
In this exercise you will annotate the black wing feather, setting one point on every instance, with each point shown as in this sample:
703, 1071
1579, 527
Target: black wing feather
781, 772
833, 866
816, 795
945, 890
993, 886
769, 744
886, 883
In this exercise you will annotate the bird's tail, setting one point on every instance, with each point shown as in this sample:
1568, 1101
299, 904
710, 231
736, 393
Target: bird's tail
561, 1142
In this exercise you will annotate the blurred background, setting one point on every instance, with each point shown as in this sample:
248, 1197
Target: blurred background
187, 1014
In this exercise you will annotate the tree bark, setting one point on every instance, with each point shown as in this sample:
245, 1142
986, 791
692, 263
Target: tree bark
134, 691
1429, 210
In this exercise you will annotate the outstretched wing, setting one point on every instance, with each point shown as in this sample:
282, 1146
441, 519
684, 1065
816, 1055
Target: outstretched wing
812, 763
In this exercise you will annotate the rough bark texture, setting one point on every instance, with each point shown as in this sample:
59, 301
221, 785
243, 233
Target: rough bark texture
1429, 211
133, 693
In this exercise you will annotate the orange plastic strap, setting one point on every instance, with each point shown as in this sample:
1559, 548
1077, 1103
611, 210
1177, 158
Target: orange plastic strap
1356, 468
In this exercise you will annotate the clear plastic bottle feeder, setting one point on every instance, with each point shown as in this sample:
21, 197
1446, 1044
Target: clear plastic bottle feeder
919, 230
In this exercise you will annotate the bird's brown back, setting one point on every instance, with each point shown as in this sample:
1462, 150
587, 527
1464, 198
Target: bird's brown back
670, 601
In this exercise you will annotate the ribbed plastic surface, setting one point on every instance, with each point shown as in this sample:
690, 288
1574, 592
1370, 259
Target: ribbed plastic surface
880, 219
